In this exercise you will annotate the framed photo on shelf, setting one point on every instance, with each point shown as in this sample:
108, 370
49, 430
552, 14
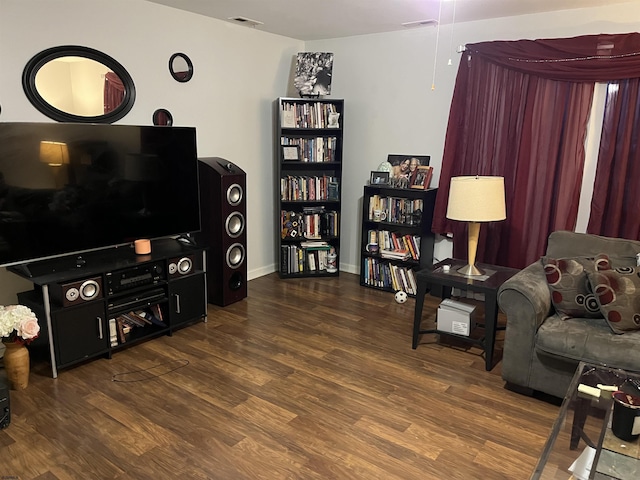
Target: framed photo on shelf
422, 178
404, 169
291, 153
379, 178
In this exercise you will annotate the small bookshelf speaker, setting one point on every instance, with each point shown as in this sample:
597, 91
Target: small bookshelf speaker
223, 209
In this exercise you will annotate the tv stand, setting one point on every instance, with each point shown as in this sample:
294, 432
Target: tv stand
92, 305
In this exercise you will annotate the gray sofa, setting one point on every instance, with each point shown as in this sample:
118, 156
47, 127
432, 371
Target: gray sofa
542, 350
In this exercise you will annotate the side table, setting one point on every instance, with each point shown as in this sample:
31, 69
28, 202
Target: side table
488, 285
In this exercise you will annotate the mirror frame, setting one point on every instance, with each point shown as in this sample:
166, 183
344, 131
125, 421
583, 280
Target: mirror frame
45, 56
166, 113
174, 74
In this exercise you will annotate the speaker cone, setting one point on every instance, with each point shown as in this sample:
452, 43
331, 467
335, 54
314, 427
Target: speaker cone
234, 194
235, 255
184, 265
72, 294
89, 289
234, 224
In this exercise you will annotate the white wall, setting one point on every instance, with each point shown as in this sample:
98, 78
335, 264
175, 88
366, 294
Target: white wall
390, 107
385, 80
238, 73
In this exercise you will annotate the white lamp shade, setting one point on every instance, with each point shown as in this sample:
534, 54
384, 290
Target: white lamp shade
476, 199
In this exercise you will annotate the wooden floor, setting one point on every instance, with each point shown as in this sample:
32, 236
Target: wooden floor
304, 379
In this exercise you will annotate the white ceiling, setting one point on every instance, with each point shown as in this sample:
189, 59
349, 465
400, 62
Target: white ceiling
321, 19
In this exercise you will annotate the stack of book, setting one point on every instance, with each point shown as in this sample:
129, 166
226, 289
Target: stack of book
396, 254
308, 256
125, 323
389, 276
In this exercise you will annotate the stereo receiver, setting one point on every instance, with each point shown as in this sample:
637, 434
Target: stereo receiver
138, 276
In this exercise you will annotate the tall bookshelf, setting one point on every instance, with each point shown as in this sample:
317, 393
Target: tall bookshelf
308, 160
396, 217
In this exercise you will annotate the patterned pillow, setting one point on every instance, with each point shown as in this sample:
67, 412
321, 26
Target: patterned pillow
569, 286
618, 294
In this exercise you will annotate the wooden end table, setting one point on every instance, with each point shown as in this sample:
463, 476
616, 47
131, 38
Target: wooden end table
428, 279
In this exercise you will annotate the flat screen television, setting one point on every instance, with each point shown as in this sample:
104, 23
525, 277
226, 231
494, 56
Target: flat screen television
67, 188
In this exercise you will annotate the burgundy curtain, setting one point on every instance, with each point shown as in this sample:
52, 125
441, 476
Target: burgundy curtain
520, 110
615, 205
113, 92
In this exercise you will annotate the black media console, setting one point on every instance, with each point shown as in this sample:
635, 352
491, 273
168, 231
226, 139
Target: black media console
94, 304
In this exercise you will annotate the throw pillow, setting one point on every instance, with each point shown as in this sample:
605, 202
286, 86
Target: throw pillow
618, 294
569, 286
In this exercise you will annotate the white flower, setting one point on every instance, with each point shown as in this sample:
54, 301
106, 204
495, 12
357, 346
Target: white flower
18, 321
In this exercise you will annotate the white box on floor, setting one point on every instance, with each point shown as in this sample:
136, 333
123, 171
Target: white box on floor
456, 317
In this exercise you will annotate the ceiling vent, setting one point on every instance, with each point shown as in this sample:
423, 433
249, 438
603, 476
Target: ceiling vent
245, 21
421, 23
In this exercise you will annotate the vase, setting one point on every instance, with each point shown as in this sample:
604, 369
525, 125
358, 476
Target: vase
16, 364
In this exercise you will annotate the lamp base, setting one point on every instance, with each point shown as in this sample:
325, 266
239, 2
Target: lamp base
470, 271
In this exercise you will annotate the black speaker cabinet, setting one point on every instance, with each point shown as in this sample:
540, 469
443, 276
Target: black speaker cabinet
74, 293
223, 210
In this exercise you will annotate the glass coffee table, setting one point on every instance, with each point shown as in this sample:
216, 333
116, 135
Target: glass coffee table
581, 444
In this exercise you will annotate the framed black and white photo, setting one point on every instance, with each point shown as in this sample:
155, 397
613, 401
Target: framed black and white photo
379, 178
313, 73
291, 153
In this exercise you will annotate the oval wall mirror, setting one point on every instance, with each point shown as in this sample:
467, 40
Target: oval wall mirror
181, 67
163, 117
78, 84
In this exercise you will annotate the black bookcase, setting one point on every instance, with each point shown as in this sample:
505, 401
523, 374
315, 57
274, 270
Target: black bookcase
404, 215
308, 161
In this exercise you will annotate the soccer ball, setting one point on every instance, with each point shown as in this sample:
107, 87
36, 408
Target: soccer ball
401, 296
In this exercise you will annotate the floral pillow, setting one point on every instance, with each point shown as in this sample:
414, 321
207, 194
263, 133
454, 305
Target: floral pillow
569, 286
618, 295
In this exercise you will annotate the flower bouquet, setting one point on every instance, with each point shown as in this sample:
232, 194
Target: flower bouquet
18, 324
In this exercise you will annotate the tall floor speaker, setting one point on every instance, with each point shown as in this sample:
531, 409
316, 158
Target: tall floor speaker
223, 209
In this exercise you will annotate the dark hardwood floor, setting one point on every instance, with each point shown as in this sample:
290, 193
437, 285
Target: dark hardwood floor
304, 379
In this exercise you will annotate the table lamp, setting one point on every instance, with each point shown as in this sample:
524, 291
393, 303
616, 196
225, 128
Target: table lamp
476, 200
54, 154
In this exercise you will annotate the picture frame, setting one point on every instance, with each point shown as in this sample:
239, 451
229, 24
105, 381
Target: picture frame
291, 153
422, 178
379, 178
334, 120
313, 74
404, 169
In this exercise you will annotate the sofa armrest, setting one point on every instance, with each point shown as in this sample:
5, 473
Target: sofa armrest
526, 301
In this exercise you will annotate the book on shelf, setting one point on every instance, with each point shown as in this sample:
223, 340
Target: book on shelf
313, 150
133, 320
113, 332
151, 318
308, 256
297, 188
156, 311
388, 276
309, 115
396, 254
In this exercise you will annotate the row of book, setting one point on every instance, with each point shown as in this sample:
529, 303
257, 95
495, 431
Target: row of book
314, 150
392, 242
407, 211
305, 257
389, 276
307, 115
121, 326
311, 223
305, 188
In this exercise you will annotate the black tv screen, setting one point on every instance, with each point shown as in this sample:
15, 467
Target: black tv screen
68, 188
